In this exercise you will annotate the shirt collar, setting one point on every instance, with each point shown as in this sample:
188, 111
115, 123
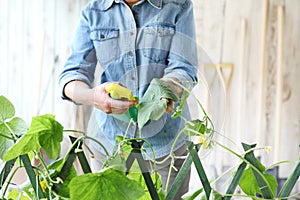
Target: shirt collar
106, 4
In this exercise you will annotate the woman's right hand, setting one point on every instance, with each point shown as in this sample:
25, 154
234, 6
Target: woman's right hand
98, 97
104, 102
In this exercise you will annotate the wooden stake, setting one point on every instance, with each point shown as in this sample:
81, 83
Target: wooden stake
39, 78
261, 95
242, 81
279, 80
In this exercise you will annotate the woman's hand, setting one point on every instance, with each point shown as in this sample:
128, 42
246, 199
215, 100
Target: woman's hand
104, 102
98, 97
170, 105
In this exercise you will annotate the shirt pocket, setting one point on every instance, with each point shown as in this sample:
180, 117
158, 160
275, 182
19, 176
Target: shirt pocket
157, 41
106, 44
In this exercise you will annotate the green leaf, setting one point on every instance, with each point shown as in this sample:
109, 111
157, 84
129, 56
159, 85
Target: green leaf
150, 111
214, 195
156, 179
44, 132
57, 165
196, 125
18, 126
249, 185
272, 182
5, 143
107, 184
7, 109
193, 195
151, 106
181, 105
51, 137
14, 194
25, 144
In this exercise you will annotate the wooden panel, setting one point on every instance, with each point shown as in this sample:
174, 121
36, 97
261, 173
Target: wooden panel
4, 81
290, 120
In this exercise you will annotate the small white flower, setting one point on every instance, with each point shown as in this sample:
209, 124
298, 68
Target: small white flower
268, 149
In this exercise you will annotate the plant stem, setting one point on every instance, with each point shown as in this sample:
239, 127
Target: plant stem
10, 179
96, 141
74, 131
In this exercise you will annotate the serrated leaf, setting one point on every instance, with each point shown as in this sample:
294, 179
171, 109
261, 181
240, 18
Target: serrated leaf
50, 134
44, 132
7, 109
107, 184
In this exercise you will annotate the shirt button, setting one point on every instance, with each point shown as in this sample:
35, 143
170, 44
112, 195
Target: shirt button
133, 78
130, 53
131, 33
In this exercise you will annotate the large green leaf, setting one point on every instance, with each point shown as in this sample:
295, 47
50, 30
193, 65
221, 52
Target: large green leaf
249, 185
25, 144
7, 109
44, 132
106, 184
151, 106
50, 136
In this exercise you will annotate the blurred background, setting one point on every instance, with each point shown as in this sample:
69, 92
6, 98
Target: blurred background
253, 47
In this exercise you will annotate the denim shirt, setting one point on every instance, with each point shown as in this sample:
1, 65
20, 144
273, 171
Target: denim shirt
153, 39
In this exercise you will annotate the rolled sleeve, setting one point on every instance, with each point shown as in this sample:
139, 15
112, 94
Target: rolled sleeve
82, 61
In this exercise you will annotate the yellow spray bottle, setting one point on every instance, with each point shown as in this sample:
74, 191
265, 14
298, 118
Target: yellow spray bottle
119, 92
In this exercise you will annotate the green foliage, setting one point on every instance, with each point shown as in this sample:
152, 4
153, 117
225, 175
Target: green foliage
151, 106
156, 178
15, 194
64, 191
7, 110
249, 183
214, 195
9, 127
44, 132
197, 126
107, 184
111, 182
180, 107
5, 142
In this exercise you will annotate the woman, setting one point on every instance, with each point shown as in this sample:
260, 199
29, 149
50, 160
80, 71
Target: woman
134, 42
